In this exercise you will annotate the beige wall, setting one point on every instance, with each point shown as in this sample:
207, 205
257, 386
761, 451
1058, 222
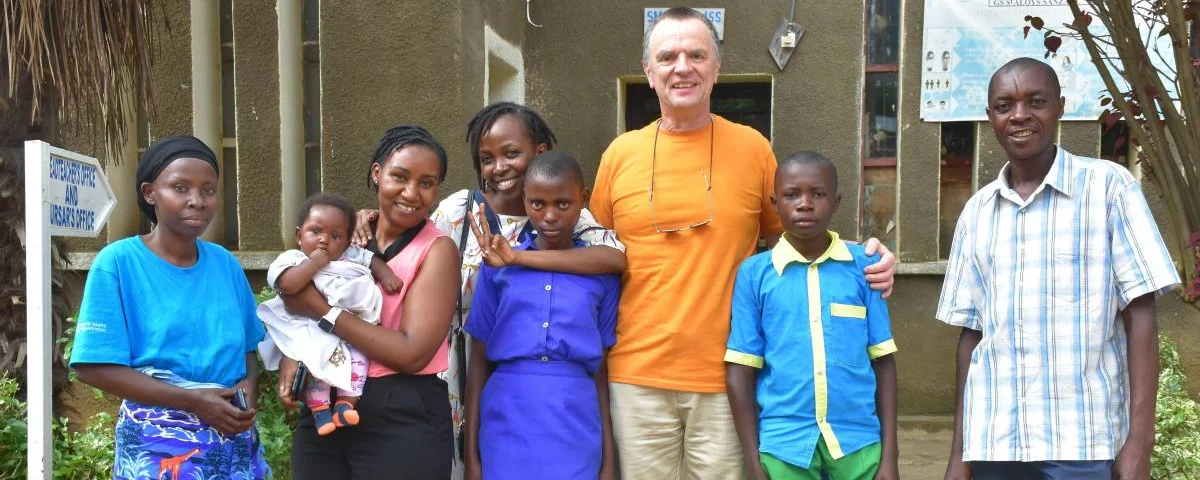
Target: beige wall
392, 62
575, 59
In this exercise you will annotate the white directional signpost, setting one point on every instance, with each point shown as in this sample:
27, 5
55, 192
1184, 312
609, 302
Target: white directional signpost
66, 194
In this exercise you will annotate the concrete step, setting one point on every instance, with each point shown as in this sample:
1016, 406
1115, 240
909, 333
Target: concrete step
924, 445
930, 423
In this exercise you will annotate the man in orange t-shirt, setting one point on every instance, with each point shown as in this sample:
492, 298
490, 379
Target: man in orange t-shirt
689, 196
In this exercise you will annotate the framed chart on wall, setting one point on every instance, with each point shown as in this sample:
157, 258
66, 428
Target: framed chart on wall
966, 41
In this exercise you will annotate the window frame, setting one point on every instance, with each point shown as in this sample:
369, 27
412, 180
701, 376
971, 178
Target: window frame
739, 79
867, 161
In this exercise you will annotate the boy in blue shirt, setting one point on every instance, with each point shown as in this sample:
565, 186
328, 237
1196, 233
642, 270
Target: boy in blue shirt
800, 326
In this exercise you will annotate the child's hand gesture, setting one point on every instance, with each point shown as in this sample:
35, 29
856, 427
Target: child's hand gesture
389, 281
494, 247
321, 256
499, 253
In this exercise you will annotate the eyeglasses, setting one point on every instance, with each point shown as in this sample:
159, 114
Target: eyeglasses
707, 177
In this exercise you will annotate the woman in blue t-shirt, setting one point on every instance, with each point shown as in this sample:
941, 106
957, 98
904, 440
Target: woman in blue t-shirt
168, 324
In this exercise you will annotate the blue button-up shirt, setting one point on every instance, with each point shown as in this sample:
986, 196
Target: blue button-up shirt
1043, 279
809, 324
527, 314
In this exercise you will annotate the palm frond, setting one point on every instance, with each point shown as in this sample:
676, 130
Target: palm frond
91, 58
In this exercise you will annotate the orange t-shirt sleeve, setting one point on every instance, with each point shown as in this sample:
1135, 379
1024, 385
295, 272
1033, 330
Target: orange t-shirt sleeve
601, 201
768, 221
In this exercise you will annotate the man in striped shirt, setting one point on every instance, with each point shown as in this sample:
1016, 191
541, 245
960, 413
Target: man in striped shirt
1052, 278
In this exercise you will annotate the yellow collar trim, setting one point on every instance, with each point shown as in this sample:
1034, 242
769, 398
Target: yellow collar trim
784, 253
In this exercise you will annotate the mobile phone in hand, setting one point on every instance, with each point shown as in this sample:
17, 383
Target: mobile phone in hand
239, 399
300, 382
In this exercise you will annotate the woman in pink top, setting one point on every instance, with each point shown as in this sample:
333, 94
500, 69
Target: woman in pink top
410, 430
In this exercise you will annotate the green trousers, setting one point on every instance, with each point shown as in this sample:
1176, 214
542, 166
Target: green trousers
860, 465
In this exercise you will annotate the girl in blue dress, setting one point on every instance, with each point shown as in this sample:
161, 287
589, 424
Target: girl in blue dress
537, 389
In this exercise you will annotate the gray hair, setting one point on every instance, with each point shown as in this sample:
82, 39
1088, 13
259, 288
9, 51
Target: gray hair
680, 13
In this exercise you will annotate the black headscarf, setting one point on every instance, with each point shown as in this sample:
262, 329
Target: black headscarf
162, 153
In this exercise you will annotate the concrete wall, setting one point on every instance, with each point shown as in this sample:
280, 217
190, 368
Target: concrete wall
574, 62
413, 62
382, 67
256, 57
394, 62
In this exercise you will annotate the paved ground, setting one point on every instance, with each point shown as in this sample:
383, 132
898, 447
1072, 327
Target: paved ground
924, 446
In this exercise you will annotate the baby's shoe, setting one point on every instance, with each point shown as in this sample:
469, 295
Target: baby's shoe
323, 420
344, 414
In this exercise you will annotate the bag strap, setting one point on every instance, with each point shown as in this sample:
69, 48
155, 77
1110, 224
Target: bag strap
460, 352
462, 247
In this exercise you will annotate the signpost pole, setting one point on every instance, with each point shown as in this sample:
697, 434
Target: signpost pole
66, 194
38, 340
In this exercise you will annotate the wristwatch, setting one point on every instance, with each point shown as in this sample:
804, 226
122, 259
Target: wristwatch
327, 321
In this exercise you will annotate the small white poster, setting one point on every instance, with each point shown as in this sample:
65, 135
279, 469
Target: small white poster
714, 15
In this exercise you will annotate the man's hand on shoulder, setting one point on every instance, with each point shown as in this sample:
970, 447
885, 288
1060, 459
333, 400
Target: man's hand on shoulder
882, 274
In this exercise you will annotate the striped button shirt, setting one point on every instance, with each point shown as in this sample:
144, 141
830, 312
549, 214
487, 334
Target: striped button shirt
1043, 279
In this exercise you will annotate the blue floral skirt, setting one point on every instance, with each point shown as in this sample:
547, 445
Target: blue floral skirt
165, 443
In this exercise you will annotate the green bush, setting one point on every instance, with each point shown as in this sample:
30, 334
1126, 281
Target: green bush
275, 423
275, 426
1177, 449
12, 431
78, 455
86, 452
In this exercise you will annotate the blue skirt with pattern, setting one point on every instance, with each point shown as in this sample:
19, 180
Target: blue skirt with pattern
165, 443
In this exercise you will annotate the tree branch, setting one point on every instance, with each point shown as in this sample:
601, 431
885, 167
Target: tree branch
1148, 132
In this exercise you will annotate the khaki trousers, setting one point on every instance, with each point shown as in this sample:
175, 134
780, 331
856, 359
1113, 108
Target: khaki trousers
672, 435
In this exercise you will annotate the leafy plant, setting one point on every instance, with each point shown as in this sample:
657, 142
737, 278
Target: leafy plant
1177, 451
78, 455
86, 452
13, 430
276, 424
67, 343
